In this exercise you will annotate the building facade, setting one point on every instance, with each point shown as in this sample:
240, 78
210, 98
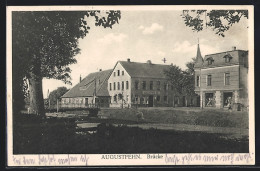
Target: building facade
142, 84
91, 91
221, 79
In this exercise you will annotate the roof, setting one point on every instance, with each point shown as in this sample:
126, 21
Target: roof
199, 59
145, 70
87, 86
219, 58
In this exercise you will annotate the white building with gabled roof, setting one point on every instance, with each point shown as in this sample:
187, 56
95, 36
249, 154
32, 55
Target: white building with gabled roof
141, 84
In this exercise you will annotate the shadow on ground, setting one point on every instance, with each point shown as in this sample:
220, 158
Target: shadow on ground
60, 136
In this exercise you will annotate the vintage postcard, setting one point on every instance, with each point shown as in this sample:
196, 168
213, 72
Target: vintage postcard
130, 85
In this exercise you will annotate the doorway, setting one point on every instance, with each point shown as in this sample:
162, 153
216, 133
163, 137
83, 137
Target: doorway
209, 100
150, 102
198, 101
86, 101
227, 101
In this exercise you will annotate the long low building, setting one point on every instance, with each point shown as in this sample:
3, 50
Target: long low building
92, 90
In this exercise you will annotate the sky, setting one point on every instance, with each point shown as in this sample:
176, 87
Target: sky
147, 35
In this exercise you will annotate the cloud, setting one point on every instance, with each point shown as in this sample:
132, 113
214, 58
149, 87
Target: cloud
112, 37
184, 51
160, 53
187, 48
152, 29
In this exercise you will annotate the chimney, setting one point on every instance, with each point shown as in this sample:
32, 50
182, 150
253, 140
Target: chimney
234, 48
80, 78
149, 62
100, 69
128, 60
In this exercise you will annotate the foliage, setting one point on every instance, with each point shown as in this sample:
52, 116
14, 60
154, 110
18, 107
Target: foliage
176, 77
189, 78
44, 44
50, 38
56, 94
218, 20
182, 81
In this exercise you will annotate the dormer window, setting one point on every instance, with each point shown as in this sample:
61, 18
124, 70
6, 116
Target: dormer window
227, 58
210, 60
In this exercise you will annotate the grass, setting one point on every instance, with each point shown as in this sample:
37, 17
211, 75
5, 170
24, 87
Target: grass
33, 135
58, 136
205, 117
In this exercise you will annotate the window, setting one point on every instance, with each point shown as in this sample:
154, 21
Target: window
123, 73
136, 85
118, 72
114, 86
110, 86
165, 86
118, 85
136, 99
165, 98
114, 74
123, 86
227, 78
151, 85
158, 98
198, 81
227, 59
158, 85
209, 80
210, 62
144, 85
127, 85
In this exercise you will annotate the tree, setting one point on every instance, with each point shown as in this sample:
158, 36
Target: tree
182, 81
176, 78
56, 94
218, 20
44, 44
189, 78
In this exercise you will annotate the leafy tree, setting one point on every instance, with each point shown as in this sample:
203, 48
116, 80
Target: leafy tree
189, 78
56, 94
218, 20
44, 44
182, 81
176, 78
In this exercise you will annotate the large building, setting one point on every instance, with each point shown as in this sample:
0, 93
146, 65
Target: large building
91, 91
221, 79
142, 84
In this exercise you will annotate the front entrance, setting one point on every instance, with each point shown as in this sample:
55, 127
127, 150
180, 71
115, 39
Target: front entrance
150, 102
227, 99
209, 100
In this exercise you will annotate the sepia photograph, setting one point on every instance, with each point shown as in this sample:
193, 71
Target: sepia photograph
130, 85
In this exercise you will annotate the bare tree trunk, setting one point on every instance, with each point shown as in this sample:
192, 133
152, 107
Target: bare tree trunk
36, 95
